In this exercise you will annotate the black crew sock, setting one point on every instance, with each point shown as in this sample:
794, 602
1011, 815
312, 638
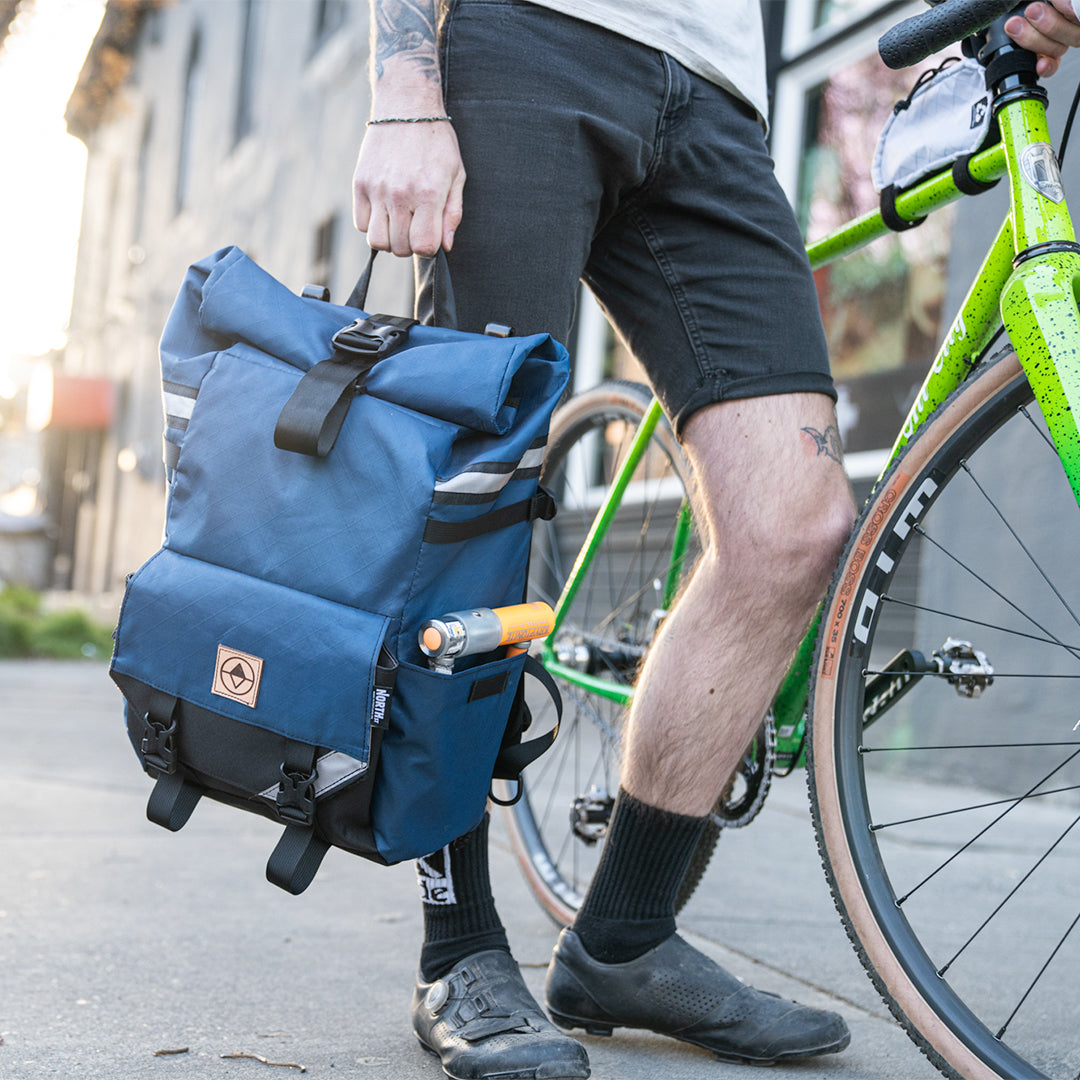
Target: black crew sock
630, 906
459, 912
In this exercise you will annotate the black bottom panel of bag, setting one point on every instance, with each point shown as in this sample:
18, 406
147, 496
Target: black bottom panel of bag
233, 763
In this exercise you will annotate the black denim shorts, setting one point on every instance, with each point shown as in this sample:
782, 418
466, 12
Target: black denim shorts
592, 157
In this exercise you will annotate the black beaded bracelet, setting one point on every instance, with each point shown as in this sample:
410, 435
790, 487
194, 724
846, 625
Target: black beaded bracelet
409, 120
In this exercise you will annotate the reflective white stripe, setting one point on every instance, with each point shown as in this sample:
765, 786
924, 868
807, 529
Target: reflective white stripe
532, 459
476, 483
179, 406
492, 479
331, 771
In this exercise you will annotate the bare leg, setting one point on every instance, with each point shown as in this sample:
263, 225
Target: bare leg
777, 508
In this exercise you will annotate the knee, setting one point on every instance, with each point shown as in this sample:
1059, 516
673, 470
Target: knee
823, 538
796, 551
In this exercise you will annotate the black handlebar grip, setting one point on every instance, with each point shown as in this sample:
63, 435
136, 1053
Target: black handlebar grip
916, 38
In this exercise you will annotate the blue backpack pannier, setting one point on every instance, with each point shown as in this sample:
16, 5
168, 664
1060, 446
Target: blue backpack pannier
334, 481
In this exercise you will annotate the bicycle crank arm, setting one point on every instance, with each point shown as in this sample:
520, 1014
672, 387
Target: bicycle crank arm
889, 685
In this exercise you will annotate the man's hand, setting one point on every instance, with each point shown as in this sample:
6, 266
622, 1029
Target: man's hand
408, 180
1049, 28
407, 187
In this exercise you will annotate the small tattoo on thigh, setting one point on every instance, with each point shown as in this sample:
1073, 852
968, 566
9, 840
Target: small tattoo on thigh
825, 443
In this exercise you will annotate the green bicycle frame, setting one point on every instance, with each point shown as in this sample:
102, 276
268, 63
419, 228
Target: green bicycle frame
1028, 281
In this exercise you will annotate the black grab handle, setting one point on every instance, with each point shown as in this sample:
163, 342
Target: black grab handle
916, 38
434, 293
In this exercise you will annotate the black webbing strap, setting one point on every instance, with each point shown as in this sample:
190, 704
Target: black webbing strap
296, 859
513, 759
1006, 62
297, 855
434, 291
890, 215
965, 182
313, 415
172, 801
540, 506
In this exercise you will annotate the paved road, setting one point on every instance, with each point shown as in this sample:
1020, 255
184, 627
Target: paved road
119, 940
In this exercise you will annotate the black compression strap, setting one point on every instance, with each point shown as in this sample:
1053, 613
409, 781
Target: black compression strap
540, 506
172, 801
965, 182
298, 854
889, 213
513, 759
313, 415
296, 859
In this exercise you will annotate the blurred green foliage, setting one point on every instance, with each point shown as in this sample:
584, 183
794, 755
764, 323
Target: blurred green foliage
27, 631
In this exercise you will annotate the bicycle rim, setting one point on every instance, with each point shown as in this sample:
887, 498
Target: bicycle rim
945, 801
557, 828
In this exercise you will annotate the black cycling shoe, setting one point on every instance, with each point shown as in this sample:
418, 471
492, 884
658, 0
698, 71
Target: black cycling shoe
483, 1024
676, 990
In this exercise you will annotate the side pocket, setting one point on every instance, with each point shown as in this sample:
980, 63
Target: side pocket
438, 754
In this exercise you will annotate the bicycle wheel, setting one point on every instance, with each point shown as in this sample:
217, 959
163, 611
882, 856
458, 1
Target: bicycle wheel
557, 827
944, 767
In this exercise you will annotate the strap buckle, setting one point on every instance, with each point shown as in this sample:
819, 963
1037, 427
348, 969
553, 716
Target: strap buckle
295, 797
157, 749
370, 338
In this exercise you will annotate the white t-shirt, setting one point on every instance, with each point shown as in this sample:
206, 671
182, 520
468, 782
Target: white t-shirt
720, 40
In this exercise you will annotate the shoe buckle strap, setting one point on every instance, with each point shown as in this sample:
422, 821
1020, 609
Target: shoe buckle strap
470, 1006
485, 1026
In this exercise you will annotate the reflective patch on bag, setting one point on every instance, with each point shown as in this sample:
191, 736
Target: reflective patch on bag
484, 481
179, 403
332, 771
946, 115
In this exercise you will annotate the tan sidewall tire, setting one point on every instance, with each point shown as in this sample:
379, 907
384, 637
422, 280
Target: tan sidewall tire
835, 624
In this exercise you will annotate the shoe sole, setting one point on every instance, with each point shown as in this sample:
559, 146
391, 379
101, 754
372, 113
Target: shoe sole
531, 1074
601, 1028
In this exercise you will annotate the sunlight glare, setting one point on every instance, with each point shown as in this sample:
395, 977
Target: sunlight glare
41, 172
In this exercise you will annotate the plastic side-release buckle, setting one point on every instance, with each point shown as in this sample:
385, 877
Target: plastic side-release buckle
372, 337
157, 749
296, 797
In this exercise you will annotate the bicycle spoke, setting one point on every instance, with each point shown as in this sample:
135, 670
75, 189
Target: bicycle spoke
878, 827
1008, 896
982, 832
1001, 1032
1023, 411
1023, 547
997, 592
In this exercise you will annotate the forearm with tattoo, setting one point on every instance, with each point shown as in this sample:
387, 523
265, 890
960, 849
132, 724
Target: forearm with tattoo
406, 29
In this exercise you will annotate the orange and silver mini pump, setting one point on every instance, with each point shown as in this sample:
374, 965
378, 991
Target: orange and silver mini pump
481, 630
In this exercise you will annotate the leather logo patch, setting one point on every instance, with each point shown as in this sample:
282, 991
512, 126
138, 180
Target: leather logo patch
237, 676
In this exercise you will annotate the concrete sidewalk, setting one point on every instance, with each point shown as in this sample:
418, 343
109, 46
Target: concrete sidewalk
119, 940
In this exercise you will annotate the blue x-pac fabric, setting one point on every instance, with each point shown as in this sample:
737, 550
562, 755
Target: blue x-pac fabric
312, 565
318, 657
346, 527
